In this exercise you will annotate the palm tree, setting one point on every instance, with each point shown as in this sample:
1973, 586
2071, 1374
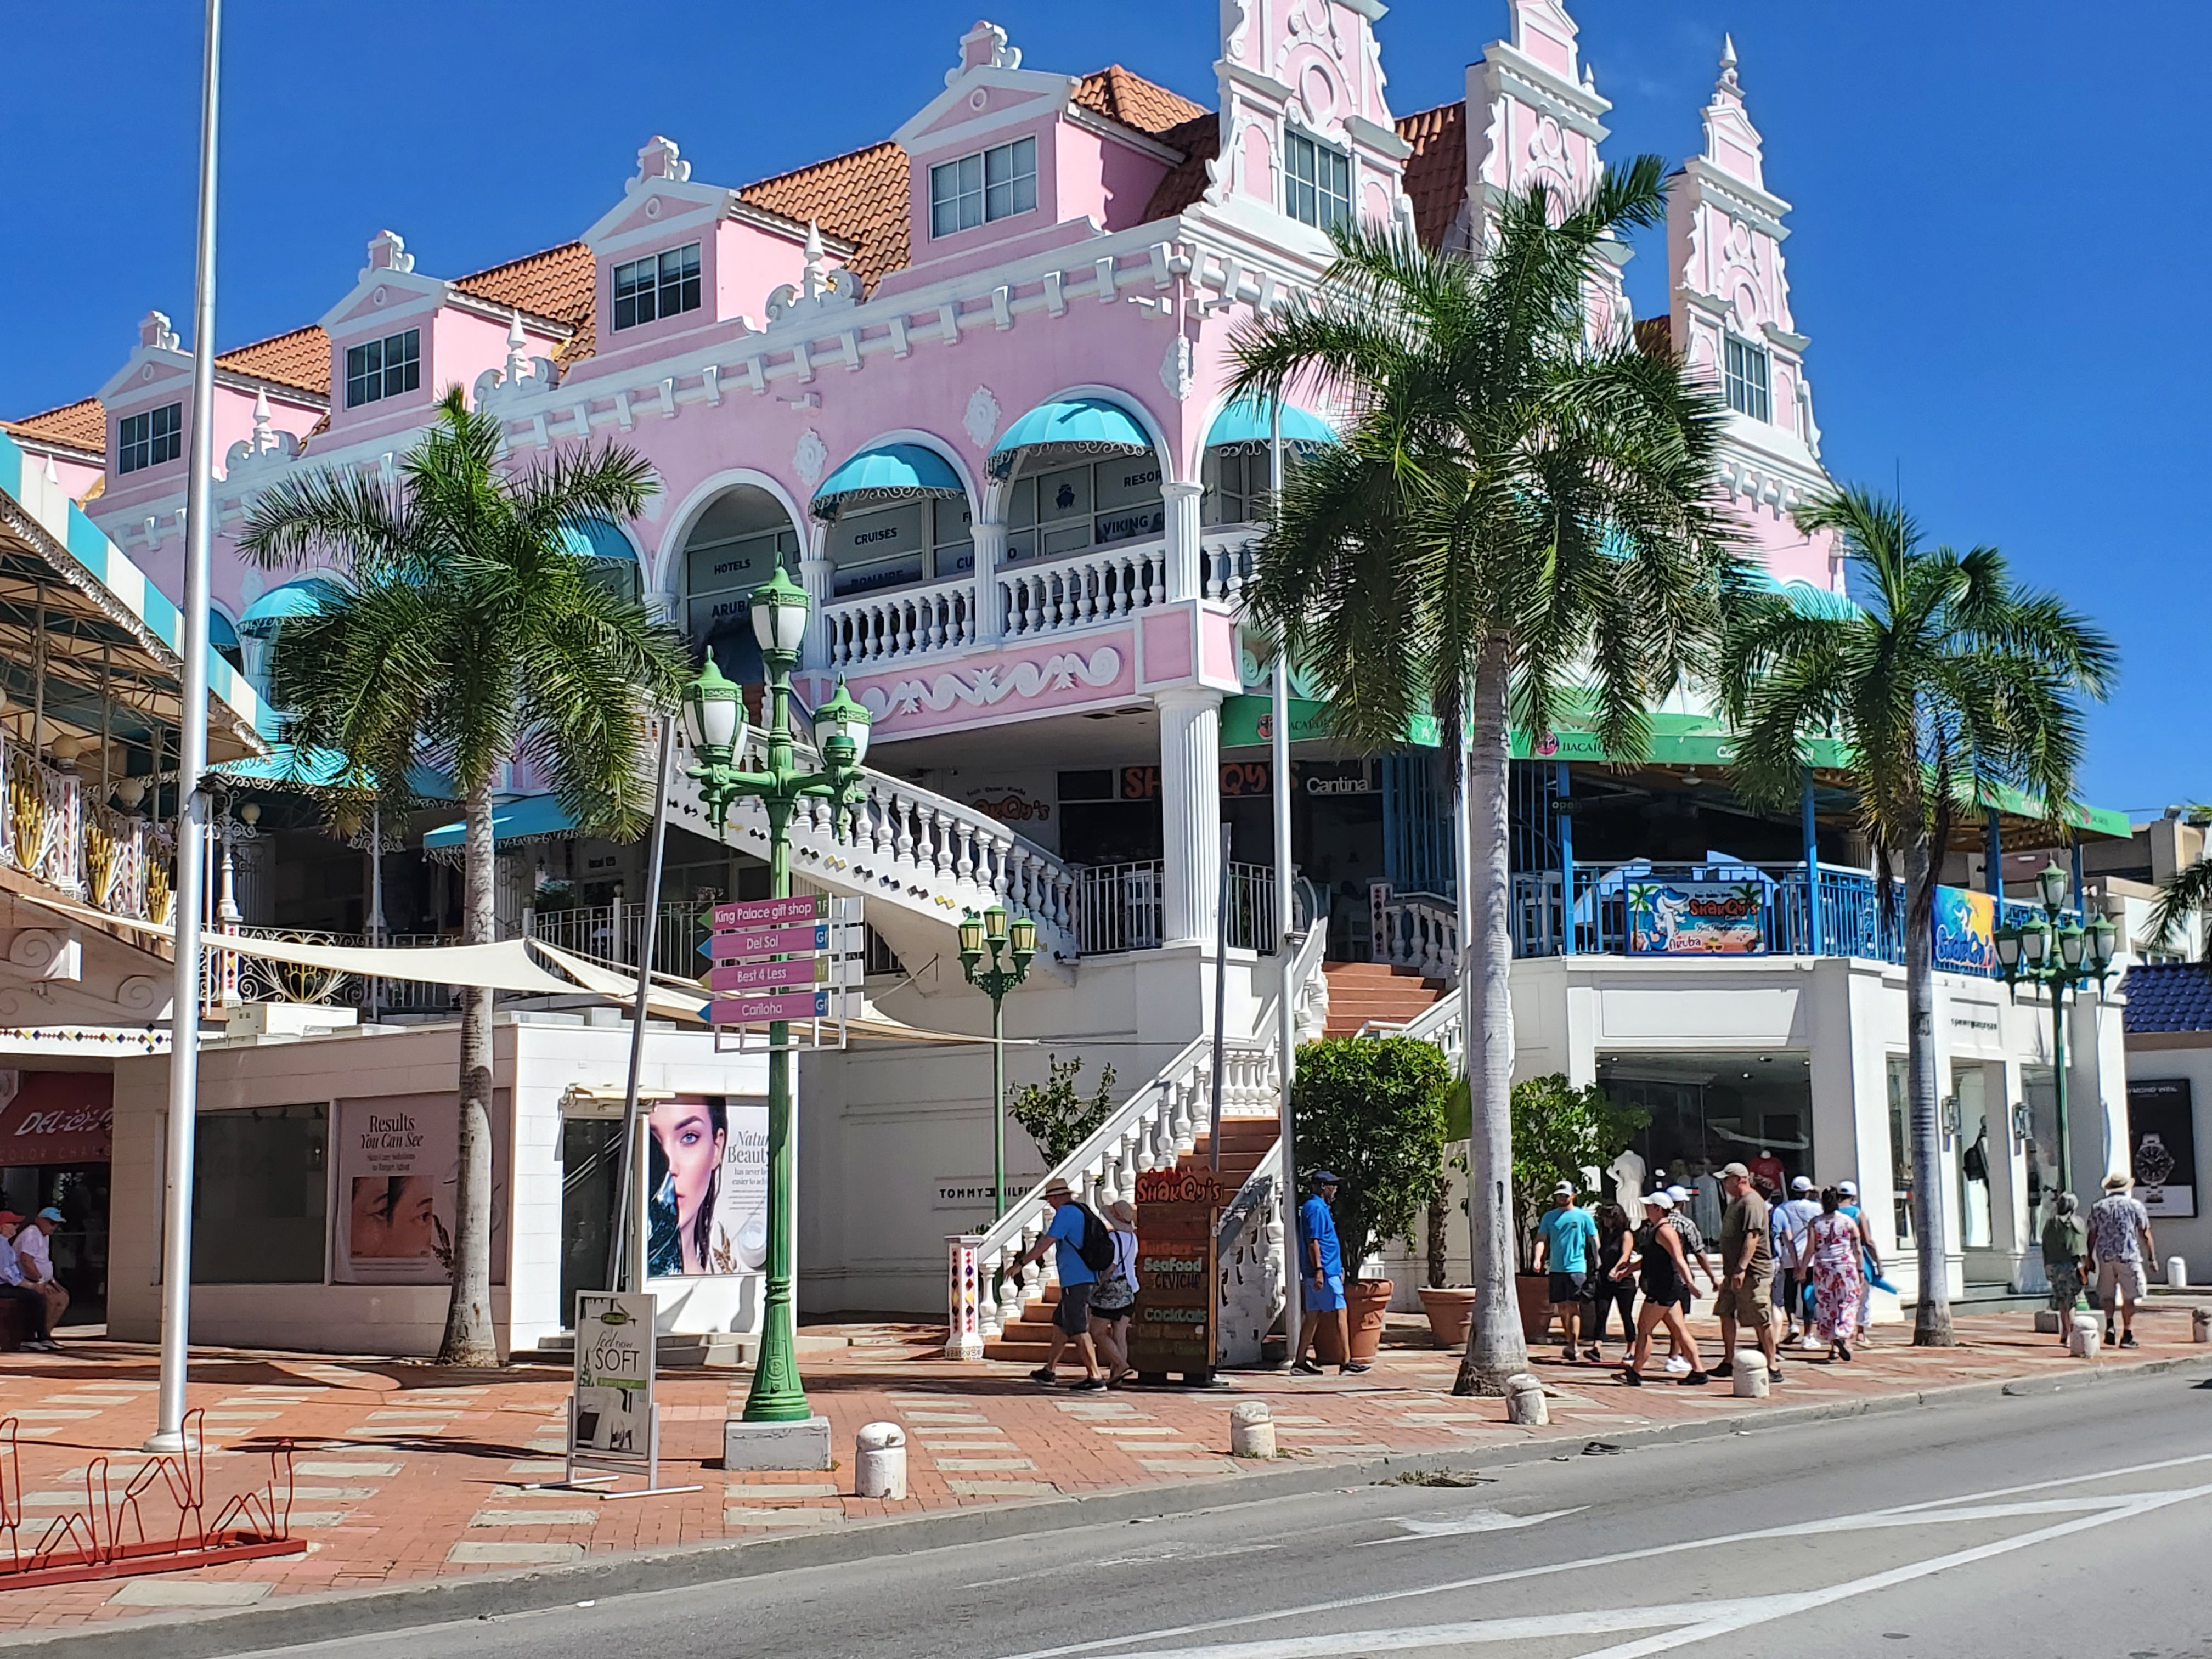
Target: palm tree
1519, 519
473, 632
2187, 892
1953, 684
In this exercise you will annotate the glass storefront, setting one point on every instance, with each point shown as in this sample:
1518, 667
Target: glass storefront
1709, 1110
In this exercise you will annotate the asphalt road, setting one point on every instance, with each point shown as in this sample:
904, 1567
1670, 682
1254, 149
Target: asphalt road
2070, 1524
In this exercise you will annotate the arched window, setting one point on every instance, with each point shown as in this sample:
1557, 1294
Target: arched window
1235, 469
1082, 473
897, 514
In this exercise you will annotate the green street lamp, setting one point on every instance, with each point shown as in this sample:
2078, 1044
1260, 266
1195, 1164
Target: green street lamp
1008, 947
714, 712
2060, 955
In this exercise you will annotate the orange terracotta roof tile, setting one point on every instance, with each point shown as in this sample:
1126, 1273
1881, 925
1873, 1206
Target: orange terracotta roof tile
861, 196
1134, 102
301, 359
81, 425
1436, 173
555, 284
1199, 140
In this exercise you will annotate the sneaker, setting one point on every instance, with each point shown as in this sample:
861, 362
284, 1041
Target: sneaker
1843, 1349
1696, 1379
2129, 1341
1306, 1368
1090, 1385
1593, 1356
1046, 1375
41, 1344
2108, 1336
1631, 1379
1354, 1368
1726, 1368
1677, 1366
1774, 1375
1567, 1355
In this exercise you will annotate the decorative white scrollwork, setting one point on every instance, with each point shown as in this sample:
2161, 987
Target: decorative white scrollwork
993, 683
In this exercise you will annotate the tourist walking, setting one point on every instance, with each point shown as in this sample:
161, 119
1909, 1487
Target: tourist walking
1793, 1270
2065, 1259
1072, 1227
1663, 1272
1870, 1279
2119, 1244
1748, 1260
1613, 1294
1115, 1299
1321, 1256
1566, 1243
1839, 1284
13, 1289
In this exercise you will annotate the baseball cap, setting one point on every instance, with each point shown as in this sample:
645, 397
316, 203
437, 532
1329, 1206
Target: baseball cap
1800, 1184
1659, 1200
49, 1214
1736, 1170
1678, 1192
9, 1217
1848, 1188
1566, 1187
1323, 1178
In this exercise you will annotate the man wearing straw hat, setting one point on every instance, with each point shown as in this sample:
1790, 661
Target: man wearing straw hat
1071, 1316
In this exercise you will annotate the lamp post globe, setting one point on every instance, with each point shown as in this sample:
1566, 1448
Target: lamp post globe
779, 616
2052, 881
712, 705
843, 722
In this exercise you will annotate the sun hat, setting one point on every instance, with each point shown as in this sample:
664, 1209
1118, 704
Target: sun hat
1801, 1184
1736, 1170
1056, 1185
1123, 1211
49, 1214
2118, 1181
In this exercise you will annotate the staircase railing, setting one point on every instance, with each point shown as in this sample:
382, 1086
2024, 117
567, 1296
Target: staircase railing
1247, 1253
1414, 930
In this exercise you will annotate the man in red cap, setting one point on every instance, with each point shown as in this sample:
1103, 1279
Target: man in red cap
13, 1289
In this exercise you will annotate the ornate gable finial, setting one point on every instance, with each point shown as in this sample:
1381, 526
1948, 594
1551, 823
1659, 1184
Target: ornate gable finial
984, 46
1543, 31
661, 159
388, 251
811, 282
1728, 61
263, 433
154, 332
1732, 143
518, 350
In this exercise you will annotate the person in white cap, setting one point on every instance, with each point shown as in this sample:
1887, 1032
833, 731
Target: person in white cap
1664, 1275
1793, 1275
1686, 1226
1566, 1245
1869, 1258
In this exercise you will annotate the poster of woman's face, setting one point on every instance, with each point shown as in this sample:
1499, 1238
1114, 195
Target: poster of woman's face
395, 1216
399, 1173
705, 1169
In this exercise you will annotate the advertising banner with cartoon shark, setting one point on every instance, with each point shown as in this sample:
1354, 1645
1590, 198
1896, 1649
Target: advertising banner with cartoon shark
1670, 917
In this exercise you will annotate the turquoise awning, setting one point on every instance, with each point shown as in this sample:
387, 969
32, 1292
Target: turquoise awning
288, 765
598, 540
304, 598
528, 818
1077, 429
1806, 600
889, 472
1247, 421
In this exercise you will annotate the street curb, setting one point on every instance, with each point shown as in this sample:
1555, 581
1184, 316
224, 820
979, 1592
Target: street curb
297, 1621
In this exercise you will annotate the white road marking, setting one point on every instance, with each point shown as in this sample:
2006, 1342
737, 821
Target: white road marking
1473, 1521
1511, 1575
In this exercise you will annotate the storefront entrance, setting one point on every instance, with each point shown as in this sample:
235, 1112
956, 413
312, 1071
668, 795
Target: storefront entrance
54, 1139
1709, 1110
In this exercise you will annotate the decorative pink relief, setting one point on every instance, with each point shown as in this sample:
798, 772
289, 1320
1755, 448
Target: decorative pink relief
1259, 181
1217, 651
978, 691
1168, 660
1543, 31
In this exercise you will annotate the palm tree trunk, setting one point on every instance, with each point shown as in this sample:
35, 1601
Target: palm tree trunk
1931, 1324
1495, 1350
470, 1340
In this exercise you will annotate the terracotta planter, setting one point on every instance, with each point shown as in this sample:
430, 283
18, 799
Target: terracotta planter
1365, 1302
1535, 1291
1450, 1311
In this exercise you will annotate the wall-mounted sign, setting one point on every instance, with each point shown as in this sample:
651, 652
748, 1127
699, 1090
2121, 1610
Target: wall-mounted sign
706, 1184
2162, 1145
1241, 779
1011, 806
1695, 918
1141, 783
1966, 924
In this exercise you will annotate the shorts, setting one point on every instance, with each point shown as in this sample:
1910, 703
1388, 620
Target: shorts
2121, 1282
1571, 1287
1325, 1295
1073, 1314
1747, 1304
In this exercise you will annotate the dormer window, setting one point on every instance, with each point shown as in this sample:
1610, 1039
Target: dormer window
976, 190
658, 285
1316, 183
150, 439
1746, 380
384, 369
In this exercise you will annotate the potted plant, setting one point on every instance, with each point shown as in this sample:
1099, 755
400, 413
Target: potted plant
1561, 1133
1371, 1110
1449, 1306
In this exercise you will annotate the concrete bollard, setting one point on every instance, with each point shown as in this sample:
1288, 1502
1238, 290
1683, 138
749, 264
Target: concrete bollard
1750, 1376
2046, 1323
2176, 1272
1524, 1401
2087, 1338
2200, 1324
1251, 1429
879, 1462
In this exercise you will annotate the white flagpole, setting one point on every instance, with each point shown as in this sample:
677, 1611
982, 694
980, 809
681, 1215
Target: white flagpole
191, 803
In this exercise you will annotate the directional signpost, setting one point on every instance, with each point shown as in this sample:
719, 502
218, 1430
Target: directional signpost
788, 960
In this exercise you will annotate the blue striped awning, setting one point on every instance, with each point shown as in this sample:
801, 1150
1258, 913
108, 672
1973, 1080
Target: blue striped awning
889, 472
1247, 421
1077, 428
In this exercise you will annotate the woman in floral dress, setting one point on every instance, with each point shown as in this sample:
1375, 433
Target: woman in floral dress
1834, 1244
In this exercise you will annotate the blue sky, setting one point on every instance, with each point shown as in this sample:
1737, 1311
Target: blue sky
1985, 195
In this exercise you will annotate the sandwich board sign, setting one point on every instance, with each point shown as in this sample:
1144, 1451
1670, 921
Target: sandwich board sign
613, 1424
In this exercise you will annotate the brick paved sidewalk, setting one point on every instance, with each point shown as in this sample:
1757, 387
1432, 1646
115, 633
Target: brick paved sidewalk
404, 1471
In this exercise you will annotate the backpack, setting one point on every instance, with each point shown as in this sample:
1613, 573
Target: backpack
1097, 1248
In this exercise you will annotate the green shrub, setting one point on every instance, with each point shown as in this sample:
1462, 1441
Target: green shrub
1371, 1111
1053, 1114
1559, 1132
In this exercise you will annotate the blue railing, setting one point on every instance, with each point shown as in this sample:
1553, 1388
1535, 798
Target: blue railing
1718, 908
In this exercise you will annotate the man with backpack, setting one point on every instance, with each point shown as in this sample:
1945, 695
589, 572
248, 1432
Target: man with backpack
1086, 1249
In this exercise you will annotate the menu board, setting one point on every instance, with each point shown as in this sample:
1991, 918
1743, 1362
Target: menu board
1172, 1332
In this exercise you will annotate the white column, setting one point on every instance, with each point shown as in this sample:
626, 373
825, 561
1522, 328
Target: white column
814, 572
1183, 573
1190, 810
990, 553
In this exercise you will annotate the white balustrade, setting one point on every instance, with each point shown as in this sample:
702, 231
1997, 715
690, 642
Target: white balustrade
1227, 564
1419, 931
1098, 585
858, 633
